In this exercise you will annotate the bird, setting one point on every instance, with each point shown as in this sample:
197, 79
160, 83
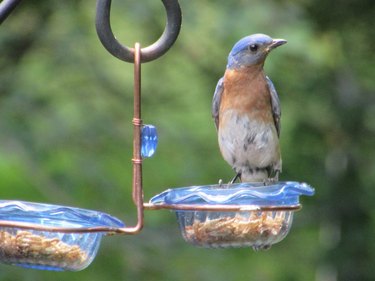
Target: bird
246, 111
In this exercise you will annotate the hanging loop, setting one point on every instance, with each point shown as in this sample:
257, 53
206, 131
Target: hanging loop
152, 52
6, 7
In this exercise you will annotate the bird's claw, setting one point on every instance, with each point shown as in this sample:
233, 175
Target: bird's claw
272, 180
269, 181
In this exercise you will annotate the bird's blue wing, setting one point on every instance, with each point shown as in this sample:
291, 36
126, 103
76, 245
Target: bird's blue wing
275, 103
216, 101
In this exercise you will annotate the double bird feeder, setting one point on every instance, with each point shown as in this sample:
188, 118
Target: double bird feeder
52, 237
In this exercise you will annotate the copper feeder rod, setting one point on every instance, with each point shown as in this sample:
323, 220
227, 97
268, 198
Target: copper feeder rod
137, 188
137, 158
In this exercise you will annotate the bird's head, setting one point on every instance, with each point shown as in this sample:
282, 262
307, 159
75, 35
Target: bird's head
252, 50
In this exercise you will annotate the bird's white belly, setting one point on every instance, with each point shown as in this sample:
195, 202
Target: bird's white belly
248, 144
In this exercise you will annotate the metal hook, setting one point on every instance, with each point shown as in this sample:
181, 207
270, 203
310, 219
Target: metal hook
152, 52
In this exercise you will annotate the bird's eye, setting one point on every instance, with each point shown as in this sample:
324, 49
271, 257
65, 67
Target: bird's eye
253, 47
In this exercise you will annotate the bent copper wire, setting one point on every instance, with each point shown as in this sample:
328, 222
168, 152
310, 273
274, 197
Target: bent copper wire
137, 158
152, 52
7, 7
148, 206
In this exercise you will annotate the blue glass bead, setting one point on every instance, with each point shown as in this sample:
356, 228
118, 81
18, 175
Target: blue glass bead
149, 140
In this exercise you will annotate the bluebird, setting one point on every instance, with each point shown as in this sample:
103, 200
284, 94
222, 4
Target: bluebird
246, 110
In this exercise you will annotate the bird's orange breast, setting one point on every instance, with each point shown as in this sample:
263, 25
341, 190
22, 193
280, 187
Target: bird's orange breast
247, 92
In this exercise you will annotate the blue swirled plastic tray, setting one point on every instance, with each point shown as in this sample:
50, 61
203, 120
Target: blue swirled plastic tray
278, 194
50, 250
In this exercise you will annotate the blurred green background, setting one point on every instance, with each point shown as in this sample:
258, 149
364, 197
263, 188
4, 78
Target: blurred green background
66, 132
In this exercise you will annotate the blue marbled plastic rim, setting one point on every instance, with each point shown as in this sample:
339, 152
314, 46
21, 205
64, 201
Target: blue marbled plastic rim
55, 215
246, 194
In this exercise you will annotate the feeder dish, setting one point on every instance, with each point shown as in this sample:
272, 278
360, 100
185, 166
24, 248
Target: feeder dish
234, 215
50, 250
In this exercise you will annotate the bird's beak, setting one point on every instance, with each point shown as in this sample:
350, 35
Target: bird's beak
276, 43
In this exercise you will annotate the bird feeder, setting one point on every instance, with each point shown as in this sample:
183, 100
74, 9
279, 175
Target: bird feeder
52, 237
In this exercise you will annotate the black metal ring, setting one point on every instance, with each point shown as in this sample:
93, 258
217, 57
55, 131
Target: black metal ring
152, 52
6, 7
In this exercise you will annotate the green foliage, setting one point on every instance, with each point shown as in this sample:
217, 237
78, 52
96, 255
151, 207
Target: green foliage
66, 133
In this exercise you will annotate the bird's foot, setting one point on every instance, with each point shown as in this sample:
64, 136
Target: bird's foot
272, 180
269, 181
